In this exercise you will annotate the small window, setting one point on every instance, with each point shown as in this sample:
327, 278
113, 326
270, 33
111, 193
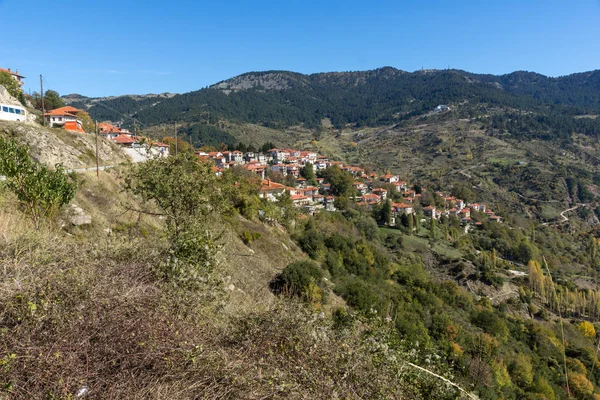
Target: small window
53, 119
5, 109
11, 110
17, 111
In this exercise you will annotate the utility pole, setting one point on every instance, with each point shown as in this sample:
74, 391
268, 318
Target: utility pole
97, 165
43, 108
176, 145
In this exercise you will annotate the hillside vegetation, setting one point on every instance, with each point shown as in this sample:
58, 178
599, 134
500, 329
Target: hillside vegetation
183, 284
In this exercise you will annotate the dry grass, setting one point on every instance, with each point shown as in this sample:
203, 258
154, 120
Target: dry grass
84, 310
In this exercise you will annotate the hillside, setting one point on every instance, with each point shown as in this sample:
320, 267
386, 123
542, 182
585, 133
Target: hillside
378, 97
52, 146
87, 308
211, 291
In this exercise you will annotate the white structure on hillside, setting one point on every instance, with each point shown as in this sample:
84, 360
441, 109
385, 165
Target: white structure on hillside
15, 75
10, 112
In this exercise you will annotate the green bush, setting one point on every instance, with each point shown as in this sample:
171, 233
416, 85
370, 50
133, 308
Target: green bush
187, 193
41, 191
296, 279
248, 237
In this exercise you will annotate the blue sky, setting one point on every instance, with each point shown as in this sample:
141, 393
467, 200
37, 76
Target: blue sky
108, 47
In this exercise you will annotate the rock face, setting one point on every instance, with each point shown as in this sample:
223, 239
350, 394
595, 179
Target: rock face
76, 216
72, 149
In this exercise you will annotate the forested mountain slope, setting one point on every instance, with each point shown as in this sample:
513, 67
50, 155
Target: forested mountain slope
378, 97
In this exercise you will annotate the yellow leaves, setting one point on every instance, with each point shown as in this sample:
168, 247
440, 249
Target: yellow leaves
452, 332
587, 329
313, 294
580, 385
456, 349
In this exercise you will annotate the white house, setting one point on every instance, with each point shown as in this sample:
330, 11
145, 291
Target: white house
15, 75
64, 117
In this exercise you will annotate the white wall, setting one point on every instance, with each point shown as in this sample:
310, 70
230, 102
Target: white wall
8, 116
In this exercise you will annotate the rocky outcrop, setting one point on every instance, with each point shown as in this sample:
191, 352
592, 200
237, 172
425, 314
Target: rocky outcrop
53, 146
76, 216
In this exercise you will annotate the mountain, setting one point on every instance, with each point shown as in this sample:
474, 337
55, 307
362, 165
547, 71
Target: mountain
377, 97
115, 108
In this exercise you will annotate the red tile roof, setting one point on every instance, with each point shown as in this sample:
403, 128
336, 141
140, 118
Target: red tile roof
15, 73
123, 139
67, 110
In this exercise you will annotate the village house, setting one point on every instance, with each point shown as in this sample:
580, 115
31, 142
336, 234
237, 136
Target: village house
292, 170
123, 140
402, 208
389, 178
257, 168
381, 192
430, 212
465, 213
477, 207
371, 199
279, 169
15, 75
271, 190
299, 200
64, 117
360, 188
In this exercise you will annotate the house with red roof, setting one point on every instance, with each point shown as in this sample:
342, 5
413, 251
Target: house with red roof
381, 192
429, 211
371, 199
389, 178
15, 75
299, 200
402, 208
271, 190
64, 117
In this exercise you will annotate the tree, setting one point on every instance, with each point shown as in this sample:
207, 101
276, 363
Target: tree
341, 181
301, 278
386, 212
587, 329
86, 121
41, 191
11, 85
186, 192
536, 277
433, 228
52, 100
308, 173
182, 145
580, 385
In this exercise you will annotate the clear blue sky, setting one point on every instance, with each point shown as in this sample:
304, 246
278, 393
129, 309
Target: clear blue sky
107, 47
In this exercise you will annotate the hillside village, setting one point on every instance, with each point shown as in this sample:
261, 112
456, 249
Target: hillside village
278, 165
370, 189
455, 291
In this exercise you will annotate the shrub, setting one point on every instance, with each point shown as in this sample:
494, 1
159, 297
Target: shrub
10, 84
42, 192
298, 279
248, 237
187, 193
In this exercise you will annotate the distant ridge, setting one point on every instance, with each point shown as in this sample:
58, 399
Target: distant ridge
376, 97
